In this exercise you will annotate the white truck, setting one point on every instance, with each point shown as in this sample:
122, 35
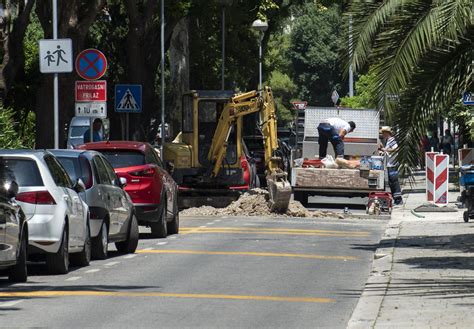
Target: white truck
308, 181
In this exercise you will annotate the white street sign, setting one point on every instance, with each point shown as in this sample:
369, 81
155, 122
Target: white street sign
91, 109
55, 56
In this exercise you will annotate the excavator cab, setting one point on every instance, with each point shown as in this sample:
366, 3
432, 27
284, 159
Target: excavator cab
188, 153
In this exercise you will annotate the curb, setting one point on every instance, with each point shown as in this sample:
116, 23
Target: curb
367, 309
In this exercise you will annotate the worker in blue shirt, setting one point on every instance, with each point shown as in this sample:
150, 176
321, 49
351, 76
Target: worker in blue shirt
96, 133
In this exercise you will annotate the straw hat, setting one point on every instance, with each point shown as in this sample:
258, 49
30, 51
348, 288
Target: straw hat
386, 129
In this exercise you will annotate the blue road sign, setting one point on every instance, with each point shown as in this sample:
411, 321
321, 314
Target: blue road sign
468, 98
128, 98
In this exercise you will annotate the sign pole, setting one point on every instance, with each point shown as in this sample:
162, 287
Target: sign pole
162, 77
127, 125
55, 79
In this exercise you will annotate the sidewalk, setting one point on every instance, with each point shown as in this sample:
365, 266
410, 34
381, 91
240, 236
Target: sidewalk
423, 272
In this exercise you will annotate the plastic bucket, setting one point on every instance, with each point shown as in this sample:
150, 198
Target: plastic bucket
377, 162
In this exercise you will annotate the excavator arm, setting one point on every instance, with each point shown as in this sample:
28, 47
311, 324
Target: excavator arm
243, 104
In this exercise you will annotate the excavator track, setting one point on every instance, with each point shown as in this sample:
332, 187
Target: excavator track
279, 190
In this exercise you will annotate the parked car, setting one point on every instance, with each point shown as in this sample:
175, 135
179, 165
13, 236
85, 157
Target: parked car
256, 150
58, 219
112, 216
153, 191
13, 228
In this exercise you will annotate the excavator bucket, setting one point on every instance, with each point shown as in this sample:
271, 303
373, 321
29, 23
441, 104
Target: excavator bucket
279, 190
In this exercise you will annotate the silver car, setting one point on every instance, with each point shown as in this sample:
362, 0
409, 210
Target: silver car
58, 219
112, 215
13, 229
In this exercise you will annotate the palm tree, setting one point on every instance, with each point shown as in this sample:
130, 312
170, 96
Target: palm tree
421, 52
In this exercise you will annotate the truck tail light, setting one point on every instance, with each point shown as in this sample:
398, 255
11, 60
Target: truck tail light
37, 197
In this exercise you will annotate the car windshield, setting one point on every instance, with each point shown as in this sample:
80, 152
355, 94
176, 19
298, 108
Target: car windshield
24, 171
124, 158
78, 131
77, 168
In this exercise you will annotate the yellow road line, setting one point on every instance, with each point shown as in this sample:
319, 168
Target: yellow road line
245, 253
86, 293
273, 229
276, 231
201, 231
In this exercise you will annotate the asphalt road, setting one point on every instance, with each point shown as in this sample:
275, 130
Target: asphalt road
219, 272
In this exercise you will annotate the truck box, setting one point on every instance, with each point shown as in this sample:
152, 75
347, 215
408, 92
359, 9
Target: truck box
363, 141
335, 182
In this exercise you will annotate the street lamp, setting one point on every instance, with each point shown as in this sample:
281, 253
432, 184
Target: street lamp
224, 3
260, 26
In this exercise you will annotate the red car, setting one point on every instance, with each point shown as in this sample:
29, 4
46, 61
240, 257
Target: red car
152, 189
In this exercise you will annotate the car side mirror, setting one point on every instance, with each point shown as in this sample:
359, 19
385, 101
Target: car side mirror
123, 182
79, 187
170, 167
12, 190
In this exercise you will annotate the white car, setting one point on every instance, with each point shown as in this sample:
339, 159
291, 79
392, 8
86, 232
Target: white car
58, 219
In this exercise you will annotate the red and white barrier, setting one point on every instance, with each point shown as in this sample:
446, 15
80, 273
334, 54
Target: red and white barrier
466, 156
441, 179
430, 169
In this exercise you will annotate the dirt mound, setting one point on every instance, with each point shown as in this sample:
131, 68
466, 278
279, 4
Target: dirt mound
255, 203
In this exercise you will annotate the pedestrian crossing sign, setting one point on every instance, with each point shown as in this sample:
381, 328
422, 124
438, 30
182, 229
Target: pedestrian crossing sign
128, 98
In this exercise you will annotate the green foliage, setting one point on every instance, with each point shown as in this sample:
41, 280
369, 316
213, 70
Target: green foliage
283, 90
9, 138
315, 43
420, 50
364, 97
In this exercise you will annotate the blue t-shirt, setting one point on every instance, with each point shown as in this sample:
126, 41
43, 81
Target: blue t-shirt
95, 136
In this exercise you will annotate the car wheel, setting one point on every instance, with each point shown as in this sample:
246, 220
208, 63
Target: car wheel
19, 273
100, 243
84, 257
160, 229
58, 263
130, 245
173, 226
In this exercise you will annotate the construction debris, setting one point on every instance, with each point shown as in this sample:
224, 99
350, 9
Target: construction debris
255, 203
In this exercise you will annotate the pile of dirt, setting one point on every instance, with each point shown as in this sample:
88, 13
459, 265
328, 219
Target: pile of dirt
255, 203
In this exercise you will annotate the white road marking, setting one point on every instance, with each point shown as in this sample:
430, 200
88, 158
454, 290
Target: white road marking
93, 270
130, 256
10, 304
218, 220
202, 226
210, 223
171, 237
73, 278
149, 248
161, 243
111, 263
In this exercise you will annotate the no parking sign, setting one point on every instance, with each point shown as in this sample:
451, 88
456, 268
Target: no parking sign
91, 64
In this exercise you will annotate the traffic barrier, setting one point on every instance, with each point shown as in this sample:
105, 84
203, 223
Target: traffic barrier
466, 156
441, 179
430, 168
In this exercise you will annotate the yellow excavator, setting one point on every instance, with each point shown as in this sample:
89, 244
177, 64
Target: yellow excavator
206, 155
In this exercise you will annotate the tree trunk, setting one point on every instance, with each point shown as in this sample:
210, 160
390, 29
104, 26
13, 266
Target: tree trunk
179, 69
144, 56
12, 68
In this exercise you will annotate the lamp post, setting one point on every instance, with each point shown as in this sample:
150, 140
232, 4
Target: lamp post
260, 26
224, 4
